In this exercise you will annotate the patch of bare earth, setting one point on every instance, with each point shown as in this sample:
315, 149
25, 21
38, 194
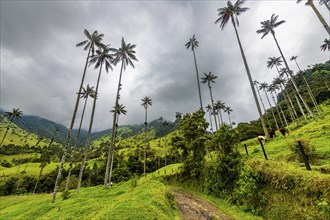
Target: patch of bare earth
193, 208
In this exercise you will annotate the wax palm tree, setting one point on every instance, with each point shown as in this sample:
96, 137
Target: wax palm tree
102, 57
219, 105
272, 88
119, 109
193, 43
278, 82
89, 44
264, 86
256, 83
126, 55
309, 90
318, 14
146, 102
231, 12
15, 114
228, 110
85, 94
209, 78
326, 45
209, 110
267, 27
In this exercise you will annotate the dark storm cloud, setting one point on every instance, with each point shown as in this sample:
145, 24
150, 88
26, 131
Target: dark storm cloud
41, 67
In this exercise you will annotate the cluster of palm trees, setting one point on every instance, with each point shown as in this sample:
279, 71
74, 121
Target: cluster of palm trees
102, 57
15, 114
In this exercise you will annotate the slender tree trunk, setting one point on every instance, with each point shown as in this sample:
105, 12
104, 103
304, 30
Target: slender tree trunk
220, 117
229, 118
113, 154
211, 121
264, 108
293, 81
319, 16
278, 112
5, 133
271, 109
87, 145
213, 109
250, 80
312, 96
66, 146
199, 88
283, 115
40, 173
145, 143
113, 132
75, 146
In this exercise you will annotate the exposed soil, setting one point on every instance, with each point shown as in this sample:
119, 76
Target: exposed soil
194, 208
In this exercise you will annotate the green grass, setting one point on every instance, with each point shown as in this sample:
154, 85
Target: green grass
122, 201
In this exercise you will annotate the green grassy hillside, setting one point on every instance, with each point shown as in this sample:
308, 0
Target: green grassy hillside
147, 200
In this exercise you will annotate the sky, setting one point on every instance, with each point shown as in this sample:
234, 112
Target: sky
41, 67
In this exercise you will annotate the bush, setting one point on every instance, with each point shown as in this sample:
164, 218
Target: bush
65, 195
5, 163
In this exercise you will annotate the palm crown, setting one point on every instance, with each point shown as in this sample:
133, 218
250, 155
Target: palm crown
92, 40
15, 114
193, 43
146, 101
125, 54
274, 61
268, 26
229, 12
326, 45
209, 78
119, 109
88, 92
102, 56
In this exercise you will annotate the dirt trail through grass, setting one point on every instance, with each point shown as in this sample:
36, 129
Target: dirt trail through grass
193, 208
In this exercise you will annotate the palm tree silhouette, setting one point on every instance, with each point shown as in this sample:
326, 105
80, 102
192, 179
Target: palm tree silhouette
228, 110
256, 83
209, 78
326, 45
219, 105
193, 43
146, 101
318, 14
126, 55
231, 12
15, 114
102, 57
88, 92
92, 41
267, 27
294, 58
119, 109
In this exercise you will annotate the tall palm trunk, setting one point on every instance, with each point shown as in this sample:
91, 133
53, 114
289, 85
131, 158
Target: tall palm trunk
264, 108
66, 146
87, 145
75, 146
145, 143
283, 115
42, 166
250, 80
229, 118
211, 121
309, 90
276, 107
292, 79
5, 133
113, 154
292, 111
199, 88
319, 16
220, 117
271, 109
213, 109
113, 132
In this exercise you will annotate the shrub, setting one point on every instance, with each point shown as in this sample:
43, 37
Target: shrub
65, 195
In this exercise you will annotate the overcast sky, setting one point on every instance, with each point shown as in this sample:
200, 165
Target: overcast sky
41, 67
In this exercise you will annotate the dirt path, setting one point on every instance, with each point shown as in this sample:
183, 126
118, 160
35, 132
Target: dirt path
193, 208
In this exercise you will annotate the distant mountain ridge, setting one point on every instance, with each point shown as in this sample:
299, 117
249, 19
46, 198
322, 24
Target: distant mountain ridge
44, 127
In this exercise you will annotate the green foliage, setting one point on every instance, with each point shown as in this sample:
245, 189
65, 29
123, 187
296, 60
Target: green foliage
65, 195
227, 138
307, 147
134, 181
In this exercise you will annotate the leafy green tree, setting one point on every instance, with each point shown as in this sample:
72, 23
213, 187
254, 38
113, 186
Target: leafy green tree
102, 57
126, 55
318, 14
88, 92
267, 27
231, 12
326, 45
146, 102
15, 114
209, 78
193, 43
92, 41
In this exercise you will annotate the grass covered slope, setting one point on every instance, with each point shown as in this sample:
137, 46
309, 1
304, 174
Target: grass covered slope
144, 199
